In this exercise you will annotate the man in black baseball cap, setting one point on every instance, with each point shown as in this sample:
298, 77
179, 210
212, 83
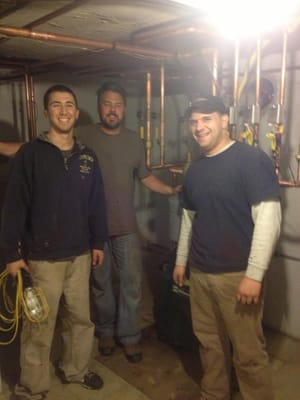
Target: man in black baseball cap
207, 105
208, 122
230, 223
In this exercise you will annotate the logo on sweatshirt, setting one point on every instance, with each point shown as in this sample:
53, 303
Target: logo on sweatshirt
86, 163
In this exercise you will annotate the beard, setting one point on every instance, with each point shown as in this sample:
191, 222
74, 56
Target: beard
108, 124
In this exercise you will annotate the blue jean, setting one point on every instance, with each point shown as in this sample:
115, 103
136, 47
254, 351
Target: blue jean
120, 317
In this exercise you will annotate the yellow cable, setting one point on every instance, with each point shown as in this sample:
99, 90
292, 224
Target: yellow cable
13, 308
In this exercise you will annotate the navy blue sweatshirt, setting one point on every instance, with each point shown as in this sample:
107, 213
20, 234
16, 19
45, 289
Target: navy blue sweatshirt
54, 206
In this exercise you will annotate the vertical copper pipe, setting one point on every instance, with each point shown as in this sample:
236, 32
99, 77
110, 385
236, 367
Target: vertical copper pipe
233, 108
33, 109
258, 71
236, 73
28, 106
255, 117
148, 119
162, 115
298, 169
215, 60
279, 127
283, 69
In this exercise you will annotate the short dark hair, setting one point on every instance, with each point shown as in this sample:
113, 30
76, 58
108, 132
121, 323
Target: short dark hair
207, 105
111, 86
58, 88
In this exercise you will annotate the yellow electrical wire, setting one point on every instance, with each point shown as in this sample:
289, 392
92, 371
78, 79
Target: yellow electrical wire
14, 308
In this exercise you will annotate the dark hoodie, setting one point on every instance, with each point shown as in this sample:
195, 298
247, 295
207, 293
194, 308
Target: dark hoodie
54, 206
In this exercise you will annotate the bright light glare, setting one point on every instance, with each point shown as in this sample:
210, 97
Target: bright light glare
238, 18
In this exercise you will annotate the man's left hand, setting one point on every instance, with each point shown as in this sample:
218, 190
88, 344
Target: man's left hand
248, 291
176, 189
97, 257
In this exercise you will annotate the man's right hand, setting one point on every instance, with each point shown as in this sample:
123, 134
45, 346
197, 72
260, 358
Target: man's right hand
179, 274
15, 266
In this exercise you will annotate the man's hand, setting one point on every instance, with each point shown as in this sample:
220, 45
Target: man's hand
15, 266
179, 274
176, 189
248, 291
97, 257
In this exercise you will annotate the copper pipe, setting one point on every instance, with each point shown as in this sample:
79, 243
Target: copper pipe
98, 44
162, 115
166, 166
54, 14
258, 72
215, 60
233, 108
283, 69
33, 109
279, 127
28, 105
148, 119
236, 73
289, 184
255, 115
298, 169
279, 113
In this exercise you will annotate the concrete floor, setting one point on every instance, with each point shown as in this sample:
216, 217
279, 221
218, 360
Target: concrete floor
168, 369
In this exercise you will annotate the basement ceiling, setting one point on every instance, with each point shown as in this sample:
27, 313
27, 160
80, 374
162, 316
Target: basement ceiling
106, 38
97, 37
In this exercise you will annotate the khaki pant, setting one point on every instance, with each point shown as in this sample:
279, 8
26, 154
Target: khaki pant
68, 282
229, 331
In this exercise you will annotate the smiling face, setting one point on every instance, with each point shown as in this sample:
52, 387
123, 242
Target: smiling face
62, 112
209, 131
111, 111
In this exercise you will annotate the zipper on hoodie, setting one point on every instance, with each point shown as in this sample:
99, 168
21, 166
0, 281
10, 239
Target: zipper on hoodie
66, 162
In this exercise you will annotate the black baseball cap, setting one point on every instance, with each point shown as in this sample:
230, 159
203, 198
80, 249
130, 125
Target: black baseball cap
207, 105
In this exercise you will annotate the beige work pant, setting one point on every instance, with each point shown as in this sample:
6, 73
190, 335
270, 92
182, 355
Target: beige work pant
67, 281
228, 332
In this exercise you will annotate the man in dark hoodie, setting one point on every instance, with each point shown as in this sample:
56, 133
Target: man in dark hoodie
121, 156
54, 227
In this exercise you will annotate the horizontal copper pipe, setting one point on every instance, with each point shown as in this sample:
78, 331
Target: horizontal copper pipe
289, 184
173, 167
126, 48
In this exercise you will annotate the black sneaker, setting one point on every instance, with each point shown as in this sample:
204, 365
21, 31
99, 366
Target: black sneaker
91, 381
